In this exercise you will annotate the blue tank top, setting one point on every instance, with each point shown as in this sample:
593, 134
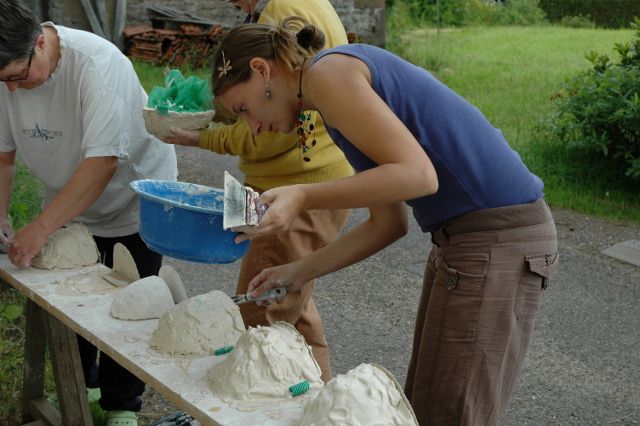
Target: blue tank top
476, 167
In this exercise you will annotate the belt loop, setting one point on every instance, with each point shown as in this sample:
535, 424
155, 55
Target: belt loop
444, 229
433, 238
440, 233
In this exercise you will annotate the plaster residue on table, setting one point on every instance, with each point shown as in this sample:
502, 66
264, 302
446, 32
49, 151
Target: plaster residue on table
81, 299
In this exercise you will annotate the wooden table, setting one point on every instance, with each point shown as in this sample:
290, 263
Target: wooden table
63, 303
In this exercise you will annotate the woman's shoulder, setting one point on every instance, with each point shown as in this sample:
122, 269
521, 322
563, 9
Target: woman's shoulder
365, 52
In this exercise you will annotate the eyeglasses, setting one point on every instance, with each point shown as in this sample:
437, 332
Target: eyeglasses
25, 73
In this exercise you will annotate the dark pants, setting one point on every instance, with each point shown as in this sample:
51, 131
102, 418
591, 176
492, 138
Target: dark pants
484, 278
119, 389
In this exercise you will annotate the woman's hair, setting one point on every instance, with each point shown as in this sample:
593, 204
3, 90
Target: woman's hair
287, 45
19, 29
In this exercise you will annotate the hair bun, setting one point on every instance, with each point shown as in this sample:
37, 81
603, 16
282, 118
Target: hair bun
310, 38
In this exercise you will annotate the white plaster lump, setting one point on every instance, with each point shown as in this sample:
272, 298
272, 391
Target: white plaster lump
199, 325
367, 395
143, 299
174, 282
264, 363
67, 248
124, 270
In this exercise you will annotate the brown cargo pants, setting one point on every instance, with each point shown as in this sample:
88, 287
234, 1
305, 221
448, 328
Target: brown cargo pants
483, 281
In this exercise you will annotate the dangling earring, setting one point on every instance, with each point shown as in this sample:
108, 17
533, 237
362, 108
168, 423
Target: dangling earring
267, 92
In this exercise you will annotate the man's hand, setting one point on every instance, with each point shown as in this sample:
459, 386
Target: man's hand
27, 242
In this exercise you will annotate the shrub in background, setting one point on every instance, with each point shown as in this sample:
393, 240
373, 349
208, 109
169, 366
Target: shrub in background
26, 200
448, 13
576, 22
598, 111
25, 205
457, 13
11, 354
604, 13
400, 21
410, 13
509, 12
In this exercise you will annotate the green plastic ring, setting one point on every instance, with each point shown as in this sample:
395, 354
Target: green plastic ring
299, 388
223, 350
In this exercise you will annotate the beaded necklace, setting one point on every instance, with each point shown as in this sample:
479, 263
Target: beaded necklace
304, 126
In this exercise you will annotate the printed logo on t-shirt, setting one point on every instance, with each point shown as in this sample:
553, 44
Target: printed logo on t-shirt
43, 134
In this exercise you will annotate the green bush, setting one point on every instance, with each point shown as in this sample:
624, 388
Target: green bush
407, 13
576, 22
598, 111
448, 13
511, 12
11, 354
25, 205
26, 199
457, 13
604, 13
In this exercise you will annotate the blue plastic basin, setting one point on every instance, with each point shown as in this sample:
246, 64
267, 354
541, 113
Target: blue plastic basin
184, 220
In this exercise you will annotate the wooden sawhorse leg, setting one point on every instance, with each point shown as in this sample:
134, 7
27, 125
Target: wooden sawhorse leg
67, 372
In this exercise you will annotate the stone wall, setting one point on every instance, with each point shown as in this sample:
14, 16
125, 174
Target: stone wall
364, 17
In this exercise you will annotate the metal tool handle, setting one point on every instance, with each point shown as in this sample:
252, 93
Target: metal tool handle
269, 295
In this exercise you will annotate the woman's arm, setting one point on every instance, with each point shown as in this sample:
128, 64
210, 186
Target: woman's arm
386, 224
339, 87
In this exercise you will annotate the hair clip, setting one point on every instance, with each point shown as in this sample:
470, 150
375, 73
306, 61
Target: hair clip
225, 67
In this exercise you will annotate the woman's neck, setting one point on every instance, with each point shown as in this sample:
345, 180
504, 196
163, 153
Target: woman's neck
301, 92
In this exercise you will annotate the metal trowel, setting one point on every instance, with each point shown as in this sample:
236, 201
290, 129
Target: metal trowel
242, 204
273, 294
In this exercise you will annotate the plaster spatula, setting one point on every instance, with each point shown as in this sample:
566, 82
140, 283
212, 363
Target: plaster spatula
242, 204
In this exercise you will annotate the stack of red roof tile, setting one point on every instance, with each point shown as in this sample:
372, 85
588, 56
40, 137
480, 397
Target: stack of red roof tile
190, 44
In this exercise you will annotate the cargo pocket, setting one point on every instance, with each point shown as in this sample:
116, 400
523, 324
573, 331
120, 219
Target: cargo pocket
469, 269
456, 296
539, 269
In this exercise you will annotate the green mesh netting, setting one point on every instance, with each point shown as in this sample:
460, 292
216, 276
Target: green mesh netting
180, 94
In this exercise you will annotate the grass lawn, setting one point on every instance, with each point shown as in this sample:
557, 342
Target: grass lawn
510, 74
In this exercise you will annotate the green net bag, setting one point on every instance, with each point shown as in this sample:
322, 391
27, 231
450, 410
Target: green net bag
180, 94
182, 103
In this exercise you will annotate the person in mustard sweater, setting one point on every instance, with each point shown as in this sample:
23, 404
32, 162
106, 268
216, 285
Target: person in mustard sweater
270, 160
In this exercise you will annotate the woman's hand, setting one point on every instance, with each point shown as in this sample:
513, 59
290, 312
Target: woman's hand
287, 276
283, 205
183, 137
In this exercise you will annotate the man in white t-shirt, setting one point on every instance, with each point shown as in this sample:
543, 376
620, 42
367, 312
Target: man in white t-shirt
71, 108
